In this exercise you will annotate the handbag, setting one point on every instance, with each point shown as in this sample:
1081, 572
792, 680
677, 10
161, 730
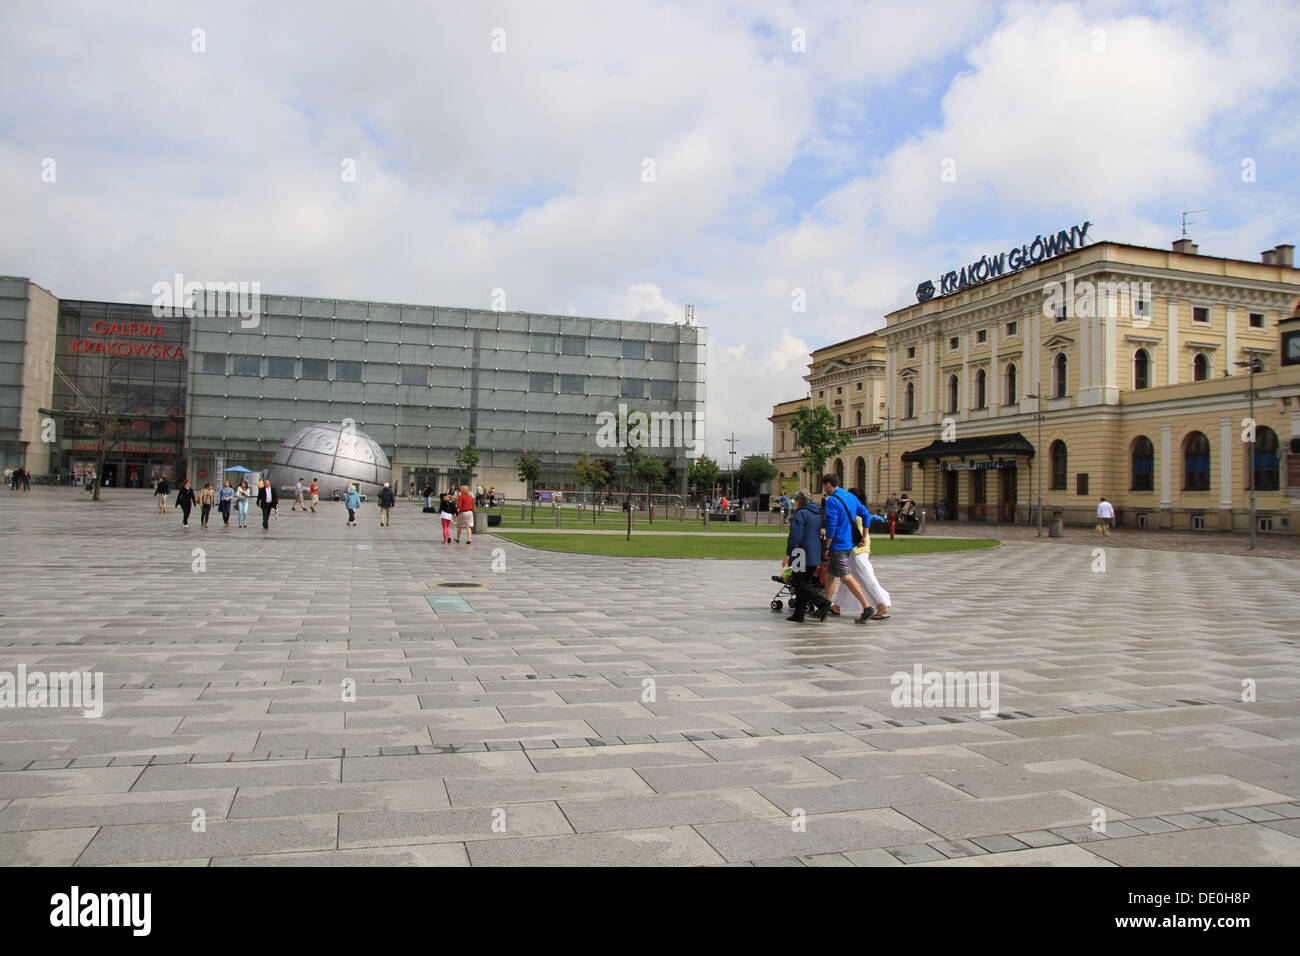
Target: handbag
856, 533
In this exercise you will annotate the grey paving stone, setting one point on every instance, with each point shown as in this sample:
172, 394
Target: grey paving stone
1039, 838
916, 853
497, 789
452, 825
823, 833
1152, 825
59, 847
672, 846
998, 844
631, 812
93, 810
1247, 846
169, 841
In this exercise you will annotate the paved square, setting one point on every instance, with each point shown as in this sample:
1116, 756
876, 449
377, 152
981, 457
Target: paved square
311, 695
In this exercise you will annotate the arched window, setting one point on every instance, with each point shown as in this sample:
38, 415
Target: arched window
1266, 459
952, 394
1059, 465
1196, 463
1011, 384
981, 389
860, 472
1200, 367
1060, 368
1142, 369
1144, 463
783, 439
857, 418
839, 470
910, 403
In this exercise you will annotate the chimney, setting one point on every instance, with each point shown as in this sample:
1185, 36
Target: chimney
1268, 257
1185, 246
1286, 255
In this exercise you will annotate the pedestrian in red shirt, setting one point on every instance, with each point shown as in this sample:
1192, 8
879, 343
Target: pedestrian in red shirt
465, 514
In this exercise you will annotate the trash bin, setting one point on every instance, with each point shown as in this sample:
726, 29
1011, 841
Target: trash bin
480, 522
1057, 527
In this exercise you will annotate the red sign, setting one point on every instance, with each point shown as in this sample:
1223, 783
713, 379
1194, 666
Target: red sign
203, 473
136, 330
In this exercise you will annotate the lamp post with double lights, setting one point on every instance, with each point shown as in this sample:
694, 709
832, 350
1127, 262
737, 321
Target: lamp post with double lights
1255, 366
1038, 453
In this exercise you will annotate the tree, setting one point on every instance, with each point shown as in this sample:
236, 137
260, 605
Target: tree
703, 474
816, 434
755, 472
591, 472
99, 415
529, 465
650, 470
467, 459
635, 431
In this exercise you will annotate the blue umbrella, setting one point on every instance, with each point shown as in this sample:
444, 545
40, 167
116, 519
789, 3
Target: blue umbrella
241, 468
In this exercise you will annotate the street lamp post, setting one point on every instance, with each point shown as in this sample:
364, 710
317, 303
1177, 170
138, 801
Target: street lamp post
1254, 366
1038, 453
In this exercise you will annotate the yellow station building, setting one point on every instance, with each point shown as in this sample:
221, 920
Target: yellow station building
1129, 360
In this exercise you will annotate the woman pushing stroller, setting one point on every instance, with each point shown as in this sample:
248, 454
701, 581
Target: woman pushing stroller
803, 554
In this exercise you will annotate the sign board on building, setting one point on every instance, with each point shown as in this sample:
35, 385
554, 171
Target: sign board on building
975, 465
987, 268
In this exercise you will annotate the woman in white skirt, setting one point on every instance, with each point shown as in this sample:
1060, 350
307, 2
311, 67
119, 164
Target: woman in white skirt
866, 576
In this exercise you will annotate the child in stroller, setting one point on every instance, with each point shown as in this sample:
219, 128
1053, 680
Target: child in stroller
817, 584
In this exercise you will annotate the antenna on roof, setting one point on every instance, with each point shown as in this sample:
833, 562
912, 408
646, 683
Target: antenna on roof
1187, 222
689, 317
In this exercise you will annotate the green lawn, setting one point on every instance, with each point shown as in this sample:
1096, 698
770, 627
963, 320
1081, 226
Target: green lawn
616, 521
702, 546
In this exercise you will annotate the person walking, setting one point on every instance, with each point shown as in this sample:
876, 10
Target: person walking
428, 495
224, 501
803, 552
243, 494
447, 512
841, 508
207, 498
297, 498
353, 501
161, 491
386, 501
185, 501
465, 515
865, 575
267, 500
315, 495
1105, 517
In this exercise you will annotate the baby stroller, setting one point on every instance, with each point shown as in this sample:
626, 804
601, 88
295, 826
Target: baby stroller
787, 591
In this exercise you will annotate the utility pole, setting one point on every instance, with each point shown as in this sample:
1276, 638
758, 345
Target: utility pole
732, 441
1254, 366
1038, 452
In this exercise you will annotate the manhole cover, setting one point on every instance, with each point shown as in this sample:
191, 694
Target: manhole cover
455, 584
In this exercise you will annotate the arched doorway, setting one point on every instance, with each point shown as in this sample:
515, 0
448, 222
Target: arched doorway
860, 476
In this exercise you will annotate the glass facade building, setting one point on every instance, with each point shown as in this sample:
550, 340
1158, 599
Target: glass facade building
425, 381
124, 360
195, 394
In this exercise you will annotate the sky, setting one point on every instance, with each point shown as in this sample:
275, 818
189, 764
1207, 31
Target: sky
625, 159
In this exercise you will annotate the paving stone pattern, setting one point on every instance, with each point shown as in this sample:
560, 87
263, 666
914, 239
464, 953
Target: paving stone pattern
591, 711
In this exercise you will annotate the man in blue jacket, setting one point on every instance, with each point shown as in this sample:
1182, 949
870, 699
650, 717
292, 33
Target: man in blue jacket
803, 553
841, 509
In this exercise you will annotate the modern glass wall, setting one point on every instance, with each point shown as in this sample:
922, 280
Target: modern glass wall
123, 361
425, 381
